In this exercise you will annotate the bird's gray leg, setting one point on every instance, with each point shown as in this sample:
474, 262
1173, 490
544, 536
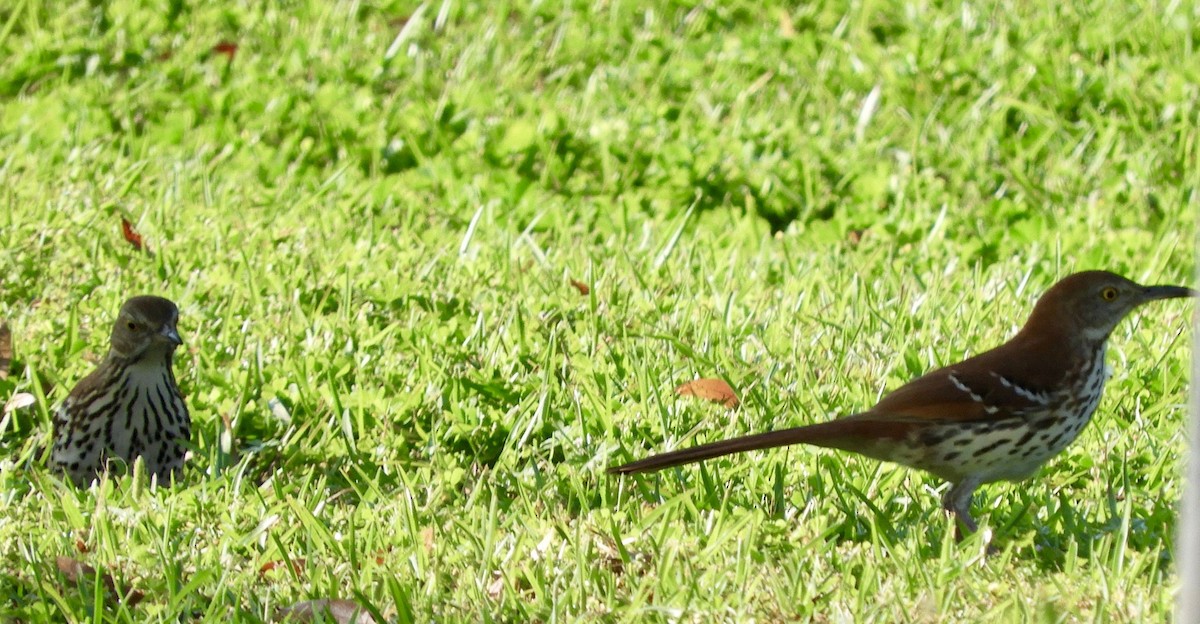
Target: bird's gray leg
957, 501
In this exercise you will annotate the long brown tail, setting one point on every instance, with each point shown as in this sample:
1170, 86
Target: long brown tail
859, 433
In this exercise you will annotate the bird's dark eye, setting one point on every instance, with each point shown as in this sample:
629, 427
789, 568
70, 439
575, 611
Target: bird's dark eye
132, 326
1109, 294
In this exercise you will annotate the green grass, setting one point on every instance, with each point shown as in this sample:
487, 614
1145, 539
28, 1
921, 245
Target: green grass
370, 217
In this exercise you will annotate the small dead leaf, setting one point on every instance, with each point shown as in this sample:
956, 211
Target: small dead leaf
72, 569
855, 236
427, 539
77, 572
715, 390
18, 401
131, 235
5, 350
544, 547
609, 555
581, 287
279, 411
297, 566
495, 589
382, 555
340, 611
225, 439
227, 48
787, 28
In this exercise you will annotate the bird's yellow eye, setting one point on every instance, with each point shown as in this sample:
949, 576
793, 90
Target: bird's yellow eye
1109, 294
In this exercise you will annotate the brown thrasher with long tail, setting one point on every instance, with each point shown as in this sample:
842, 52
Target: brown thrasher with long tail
996, 416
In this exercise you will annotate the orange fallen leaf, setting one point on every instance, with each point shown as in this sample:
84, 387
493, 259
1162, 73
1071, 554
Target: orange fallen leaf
297, 566
581, 287
381, 555
131, 235
227, 48
715, 390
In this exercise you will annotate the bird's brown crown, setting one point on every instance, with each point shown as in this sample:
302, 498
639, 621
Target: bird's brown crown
1091, 303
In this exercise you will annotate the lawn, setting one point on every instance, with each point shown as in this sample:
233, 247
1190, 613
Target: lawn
439, 265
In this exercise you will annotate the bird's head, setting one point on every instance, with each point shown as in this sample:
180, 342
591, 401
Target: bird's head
1095, 301
146, 323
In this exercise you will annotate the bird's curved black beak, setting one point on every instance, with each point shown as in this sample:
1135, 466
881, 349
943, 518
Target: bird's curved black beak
1169, 292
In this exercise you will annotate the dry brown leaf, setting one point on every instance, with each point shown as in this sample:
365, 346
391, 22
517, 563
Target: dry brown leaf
855, 236
427, 539
340, 611
609, 553
382, 555
77, 572
715, 390
297, 566
5, 350
74, 570
131, 235
581, 287
226, 48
